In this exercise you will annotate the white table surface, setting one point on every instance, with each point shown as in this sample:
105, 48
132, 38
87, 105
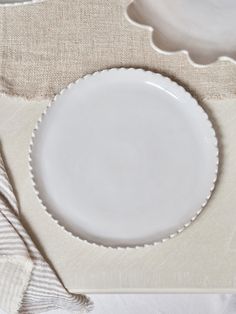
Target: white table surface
161, 304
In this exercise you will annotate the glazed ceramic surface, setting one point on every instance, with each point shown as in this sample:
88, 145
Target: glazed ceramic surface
17, 2
124, 157
204, 28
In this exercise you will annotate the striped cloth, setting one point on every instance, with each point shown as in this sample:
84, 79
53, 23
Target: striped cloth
27, 283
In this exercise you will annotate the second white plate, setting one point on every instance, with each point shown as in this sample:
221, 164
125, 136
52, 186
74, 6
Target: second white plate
205, 29
124, 157
17, 2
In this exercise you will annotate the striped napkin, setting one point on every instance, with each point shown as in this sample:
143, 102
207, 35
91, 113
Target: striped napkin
27, 283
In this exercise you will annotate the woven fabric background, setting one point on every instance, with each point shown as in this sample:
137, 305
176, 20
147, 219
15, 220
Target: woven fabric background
45, 46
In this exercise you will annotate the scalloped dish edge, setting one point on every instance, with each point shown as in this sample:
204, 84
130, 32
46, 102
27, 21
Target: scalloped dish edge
172, 235
170, 53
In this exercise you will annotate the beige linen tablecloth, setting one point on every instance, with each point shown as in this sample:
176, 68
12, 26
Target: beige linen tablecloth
45, 46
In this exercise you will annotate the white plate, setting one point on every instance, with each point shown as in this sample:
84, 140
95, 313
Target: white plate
17, 2
124, 157
204, 28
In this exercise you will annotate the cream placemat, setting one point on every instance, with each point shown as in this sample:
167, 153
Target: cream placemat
45, 46
202, 258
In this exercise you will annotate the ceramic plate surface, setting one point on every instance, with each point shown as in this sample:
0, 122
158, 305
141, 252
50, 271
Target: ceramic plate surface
203, 28
124, 157
17, 2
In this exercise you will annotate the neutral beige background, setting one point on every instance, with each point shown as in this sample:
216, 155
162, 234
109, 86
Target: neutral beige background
202, 258
43, 47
